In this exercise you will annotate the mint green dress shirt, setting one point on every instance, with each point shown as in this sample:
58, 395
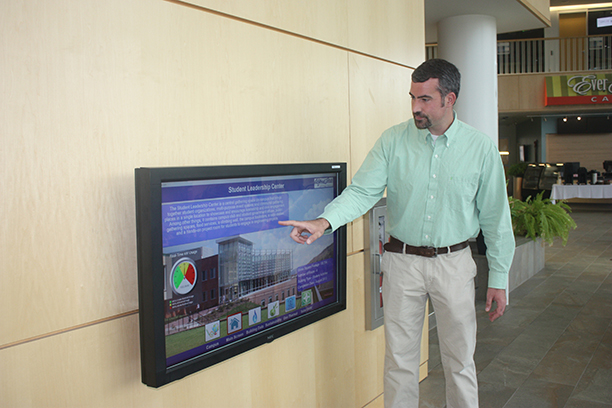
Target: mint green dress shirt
438, 193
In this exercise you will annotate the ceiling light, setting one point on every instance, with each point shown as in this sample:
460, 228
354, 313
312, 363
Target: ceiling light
579, 118
580, 6
565, 119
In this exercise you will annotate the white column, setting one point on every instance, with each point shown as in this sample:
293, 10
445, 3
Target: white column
470, 42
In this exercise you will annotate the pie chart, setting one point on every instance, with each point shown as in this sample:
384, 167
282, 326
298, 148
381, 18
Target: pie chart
184, 276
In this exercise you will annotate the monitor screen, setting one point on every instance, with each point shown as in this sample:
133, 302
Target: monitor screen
599, 22
604, 22
217, 274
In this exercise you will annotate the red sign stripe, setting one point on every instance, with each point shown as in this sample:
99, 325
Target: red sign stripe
578, 100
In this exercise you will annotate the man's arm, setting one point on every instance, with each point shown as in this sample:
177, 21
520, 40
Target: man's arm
496, 226
367, 187
306, 232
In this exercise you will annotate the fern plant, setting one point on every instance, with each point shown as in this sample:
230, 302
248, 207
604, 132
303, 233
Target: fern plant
539, 217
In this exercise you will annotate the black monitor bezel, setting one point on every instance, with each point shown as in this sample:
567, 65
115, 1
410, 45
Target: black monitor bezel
150, 269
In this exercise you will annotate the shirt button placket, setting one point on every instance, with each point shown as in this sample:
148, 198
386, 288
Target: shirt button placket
432, 193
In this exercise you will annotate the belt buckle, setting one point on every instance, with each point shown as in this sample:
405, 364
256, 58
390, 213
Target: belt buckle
434, 252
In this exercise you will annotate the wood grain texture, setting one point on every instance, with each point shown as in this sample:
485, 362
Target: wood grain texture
372, 28
94, 89
379, 100
88, 110
591, 150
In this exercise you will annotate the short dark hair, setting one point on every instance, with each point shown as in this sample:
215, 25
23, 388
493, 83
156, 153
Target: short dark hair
449, 78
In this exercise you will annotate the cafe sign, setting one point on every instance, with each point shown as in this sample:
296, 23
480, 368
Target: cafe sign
578, 89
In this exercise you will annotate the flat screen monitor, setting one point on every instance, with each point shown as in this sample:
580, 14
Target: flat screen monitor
217, 274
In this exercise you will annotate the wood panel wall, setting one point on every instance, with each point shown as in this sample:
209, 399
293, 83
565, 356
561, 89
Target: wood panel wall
591, 150
91, 90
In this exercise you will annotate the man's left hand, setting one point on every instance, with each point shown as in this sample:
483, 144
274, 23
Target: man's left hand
498, 296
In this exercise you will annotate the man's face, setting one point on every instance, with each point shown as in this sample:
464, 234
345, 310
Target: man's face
429, 109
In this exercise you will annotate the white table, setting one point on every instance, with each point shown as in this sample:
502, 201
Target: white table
562, 192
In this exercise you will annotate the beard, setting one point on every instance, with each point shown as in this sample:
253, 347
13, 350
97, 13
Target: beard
421, 121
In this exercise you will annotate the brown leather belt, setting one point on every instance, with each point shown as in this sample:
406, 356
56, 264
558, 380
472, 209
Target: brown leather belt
395, 245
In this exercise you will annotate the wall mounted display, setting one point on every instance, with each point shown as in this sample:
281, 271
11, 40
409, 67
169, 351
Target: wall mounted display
217, 274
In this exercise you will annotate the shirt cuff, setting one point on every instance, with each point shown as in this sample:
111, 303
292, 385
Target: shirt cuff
498, 280
334, 223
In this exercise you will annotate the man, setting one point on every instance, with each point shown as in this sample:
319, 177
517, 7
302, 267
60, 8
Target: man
445, 182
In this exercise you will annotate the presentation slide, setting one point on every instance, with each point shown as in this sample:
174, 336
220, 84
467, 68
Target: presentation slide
230, 269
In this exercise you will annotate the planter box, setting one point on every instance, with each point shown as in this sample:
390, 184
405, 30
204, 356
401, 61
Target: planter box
529, 259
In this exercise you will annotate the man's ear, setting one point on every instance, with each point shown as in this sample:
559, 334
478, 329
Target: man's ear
451, 98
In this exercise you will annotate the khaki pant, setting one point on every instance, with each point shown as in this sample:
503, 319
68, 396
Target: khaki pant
448, 280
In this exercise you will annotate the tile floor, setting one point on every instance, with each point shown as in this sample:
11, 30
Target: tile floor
553, 346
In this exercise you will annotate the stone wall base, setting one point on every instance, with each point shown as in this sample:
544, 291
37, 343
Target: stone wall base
529, 259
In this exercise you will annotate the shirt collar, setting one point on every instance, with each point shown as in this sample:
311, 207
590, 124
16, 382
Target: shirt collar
453, 129
450, 133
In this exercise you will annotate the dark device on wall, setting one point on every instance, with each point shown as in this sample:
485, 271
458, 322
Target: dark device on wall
217, 274
569, 169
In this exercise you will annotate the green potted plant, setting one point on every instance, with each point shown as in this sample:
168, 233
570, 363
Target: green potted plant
539, 218
517, 171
